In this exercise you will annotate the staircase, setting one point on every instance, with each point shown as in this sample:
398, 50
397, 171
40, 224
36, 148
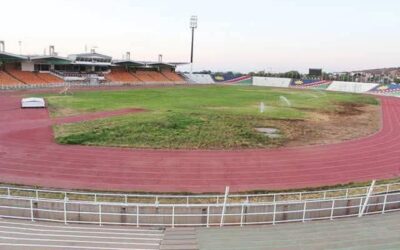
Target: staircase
179, 239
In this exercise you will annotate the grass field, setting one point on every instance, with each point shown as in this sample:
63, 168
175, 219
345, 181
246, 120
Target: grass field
216, 117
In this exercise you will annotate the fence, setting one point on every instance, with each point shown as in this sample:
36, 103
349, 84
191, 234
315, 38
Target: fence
205, 215
83, 84
194, 199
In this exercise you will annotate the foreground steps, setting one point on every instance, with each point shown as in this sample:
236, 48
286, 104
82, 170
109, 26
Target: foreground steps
179, 239
369, 232
16, 234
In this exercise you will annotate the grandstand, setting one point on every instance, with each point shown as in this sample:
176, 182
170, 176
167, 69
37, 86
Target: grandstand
387, 89
243, 80
172, 76
6, 79
352, 87
199, 78
16, 70
49, 78
118, 75
310, 84
272, 82
157, 76
233, 78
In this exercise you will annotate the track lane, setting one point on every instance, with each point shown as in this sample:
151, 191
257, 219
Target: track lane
28, 155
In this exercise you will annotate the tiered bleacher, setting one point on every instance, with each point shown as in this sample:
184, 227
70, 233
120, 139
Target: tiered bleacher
26, 76
32, 78
49, 78
8, 80
387, 89
143, 76
312, 84
121, 76
86, 68
158, 77
199, 78
352, 87
272, 82
241, 80
172, 76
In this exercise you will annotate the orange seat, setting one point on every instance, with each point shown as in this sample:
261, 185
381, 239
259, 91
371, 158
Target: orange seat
49, 78
158, 77
143, 76
121, 76
151, 76
6, 79
26, 77
172, 76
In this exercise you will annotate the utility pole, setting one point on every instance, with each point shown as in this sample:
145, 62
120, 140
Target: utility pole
193, 26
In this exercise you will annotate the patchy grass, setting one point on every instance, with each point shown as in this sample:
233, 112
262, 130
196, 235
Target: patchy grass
215, 117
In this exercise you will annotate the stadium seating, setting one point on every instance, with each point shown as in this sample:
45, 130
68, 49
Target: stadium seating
6, 79
353, 87
229, 77
387, 89
172, 76
243, 80
311, 84
121, 76
143, 76
26, 77
158, 77
49, 78
272, 82
199, 78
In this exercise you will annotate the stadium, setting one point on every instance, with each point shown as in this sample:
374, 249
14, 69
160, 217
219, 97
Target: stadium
104, 153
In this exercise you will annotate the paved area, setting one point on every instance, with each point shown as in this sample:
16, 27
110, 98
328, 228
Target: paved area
370, 232
17, 234
179, 239
29, 155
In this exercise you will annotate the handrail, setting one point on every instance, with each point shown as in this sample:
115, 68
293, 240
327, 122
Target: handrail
174, 215
127, 198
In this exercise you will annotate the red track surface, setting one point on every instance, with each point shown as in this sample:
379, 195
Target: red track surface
28, 155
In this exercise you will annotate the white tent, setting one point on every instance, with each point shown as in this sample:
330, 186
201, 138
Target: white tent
33, 102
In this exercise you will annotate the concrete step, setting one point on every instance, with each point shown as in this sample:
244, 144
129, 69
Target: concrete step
179, 239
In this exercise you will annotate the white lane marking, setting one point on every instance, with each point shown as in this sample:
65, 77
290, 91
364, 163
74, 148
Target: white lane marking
65, 247
84, 232
86, 228
78, 241
79, 236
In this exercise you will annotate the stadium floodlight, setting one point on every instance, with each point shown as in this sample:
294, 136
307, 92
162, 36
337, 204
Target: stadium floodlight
193, 26
193, 22
20, 47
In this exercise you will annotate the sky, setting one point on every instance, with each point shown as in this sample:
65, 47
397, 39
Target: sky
242, 36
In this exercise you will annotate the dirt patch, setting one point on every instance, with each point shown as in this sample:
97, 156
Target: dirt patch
345, 123
349, 109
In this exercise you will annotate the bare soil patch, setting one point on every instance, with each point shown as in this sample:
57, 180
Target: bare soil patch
347, 122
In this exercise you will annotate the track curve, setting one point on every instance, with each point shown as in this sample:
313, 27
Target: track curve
29, 155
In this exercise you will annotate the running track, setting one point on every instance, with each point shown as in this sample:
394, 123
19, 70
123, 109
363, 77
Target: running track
29, 155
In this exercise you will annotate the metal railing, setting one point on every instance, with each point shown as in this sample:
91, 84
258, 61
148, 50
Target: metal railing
194, 199
80, 84
204, 215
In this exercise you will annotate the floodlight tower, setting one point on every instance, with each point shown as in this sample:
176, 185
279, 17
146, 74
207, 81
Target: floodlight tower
193, 26
20, 47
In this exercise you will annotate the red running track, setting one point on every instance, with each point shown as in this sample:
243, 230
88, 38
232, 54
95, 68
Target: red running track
29, 155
